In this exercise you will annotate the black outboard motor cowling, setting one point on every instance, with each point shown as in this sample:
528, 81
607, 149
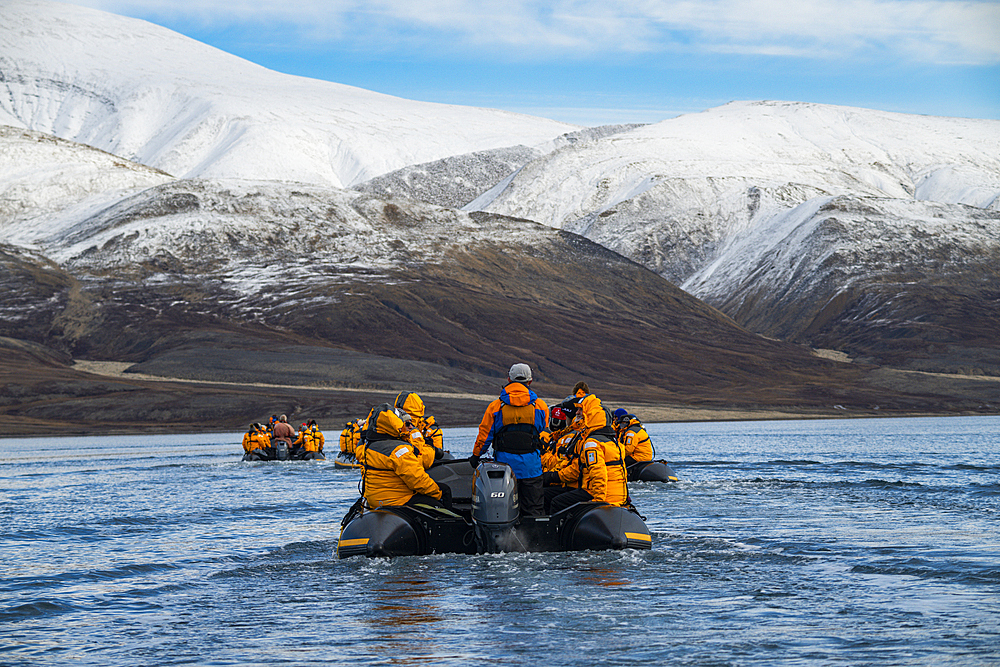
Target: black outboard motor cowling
281, 450
495, 508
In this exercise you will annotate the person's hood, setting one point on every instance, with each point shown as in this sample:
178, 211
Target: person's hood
594, 414
386, 422
411, 404
517, 395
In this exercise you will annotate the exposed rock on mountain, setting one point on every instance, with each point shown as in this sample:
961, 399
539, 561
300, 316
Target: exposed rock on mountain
452, 182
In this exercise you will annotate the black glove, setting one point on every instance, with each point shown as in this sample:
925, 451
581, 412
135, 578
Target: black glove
474, 461
445, 494
550, 479
438, 454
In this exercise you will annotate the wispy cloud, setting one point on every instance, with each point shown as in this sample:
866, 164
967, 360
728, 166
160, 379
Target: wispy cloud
931, 31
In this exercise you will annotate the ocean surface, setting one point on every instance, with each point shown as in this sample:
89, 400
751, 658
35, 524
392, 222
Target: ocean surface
846, 542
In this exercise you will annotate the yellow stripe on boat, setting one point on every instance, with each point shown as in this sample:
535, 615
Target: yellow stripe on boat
355, 542
639, 536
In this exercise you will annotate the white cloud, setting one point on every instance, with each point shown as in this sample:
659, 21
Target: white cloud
933, 31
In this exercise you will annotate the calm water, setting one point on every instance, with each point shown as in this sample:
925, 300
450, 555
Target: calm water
871, 542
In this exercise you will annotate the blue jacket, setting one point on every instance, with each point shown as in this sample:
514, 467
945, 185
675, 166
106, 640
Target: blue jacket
517, 404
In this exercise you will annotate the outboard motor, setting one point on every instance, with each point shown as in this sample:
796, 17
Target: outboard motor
495, 507
281, 450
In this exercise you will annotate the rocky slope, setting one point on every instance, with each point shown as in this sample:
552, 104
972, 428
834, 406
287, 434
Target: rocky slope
898, 282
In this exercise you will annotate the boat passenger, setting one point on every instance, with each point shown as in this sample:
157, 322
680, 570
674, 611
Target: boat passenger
598, 464
296, 450
350, 437
392, 475
633, 437
560, 441
413, 405
512, 425
283, 431
426, 453
257, 440
309, 444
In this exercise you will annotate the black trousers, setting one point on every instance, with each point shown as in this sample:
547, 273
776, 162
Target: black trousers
531, 496
567, 497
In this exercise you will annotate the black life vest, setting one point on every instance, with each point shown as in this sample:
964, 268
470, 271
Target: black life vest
517, 439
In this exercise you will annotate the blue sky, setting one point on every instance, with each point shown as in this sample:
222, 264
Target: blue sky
594, 62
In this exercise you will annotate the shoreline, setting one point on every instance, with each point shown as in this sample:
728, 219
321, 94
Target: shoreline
453, 409
649, 414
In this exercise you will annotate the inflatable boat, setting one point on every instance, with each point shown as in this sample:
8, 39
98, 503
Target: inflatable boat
345, 460
280, 451
484, 518
651, 471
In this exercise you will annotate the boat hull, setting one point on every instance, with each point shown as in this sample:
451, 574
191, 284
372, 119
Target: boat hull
422, 530
651, 471
343, 460
282, 453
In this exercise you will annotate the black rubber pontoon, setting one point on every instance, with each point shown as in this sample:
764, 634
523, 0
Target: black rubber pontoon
651, 471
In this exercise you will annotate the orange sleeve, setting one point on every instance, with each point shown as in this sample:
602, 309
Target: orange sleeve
411, 471
570, 473
485, 427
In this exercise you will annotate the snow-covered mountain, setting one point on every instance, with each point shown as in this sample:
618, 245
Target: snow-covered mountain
674, 195
236, 280
150, 95
790, 217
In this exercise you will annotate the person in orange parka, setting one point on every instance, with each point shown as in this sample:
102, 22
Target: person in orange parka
392, 475
598, 465
310, 442
413, 405
512, 425
560, 443
257, 440
350, 437
632, 434
423, 440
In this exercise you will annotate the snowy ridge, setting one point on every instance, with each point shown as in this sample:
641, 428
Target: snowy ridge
461, 180
256, 238
155, 97
676, 194
452, 181
40, 174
